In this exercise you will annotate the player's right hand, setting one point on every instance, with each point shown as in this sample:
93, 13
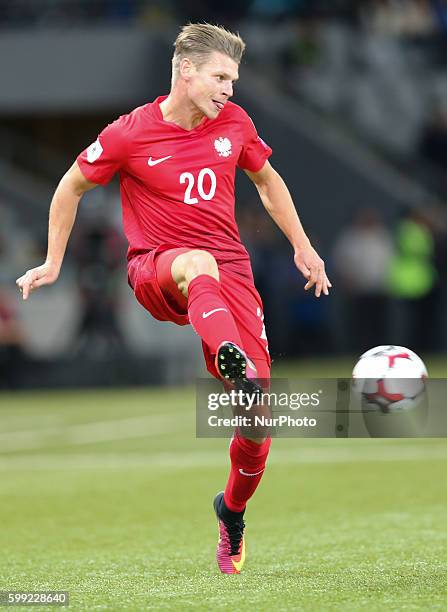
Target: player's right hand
46, 274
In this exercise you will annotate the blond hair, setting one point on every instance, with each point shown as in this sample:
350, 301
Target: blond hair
197, 41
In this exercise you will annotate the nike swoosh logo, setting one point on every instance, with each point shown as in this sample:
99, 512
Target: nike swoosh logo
154, 162
241, 471
238, 564
205, 315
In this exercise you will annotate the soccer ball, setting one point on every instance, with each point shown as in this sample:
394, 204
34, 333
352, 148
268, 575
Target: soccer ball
390, 379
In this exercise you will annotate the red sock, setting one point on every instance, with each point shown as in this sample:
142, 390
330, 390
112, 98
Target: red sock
247, 457
208, 313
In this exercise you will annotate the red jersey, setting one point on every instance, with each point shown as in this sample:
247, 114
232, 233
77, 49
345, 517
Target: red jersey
177, 185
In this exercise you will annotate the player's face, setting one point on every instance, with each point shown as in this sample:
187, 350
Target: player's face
211, 85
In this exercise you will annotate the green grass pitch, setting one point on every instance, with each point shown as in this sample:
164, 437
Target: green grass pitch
107, 495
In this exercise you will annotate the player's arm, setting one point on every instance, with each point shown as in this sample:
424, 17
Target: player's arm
63, 210
278, 202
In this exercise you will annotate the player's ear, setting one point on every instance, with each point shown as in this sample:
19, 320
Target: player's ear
186, 68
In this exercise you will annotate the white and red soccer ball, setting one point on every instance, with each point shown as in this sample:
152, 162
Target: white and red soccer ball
390, 379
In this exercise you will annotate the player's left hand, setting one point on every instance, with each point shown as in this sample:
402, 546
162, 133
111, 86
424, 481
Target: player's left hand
311, 266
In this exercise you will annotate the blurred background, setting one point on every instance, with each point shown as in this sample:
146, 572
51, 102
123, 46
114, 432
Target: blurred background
352, 97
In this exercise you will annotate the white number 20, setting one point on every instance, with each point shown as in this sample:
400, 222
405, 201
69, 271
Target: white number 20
189, 178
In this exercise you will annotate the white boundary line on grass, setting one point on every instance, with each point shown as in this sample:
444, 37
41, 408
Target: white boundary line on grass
178, 461
88, 433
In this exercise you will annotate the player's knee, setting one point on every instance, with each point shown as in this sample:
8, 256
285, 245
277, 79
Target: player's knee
200, 262
189, 265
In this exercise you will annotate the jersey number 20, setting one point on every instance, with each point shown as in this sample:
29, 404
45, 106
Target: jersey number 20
188, 177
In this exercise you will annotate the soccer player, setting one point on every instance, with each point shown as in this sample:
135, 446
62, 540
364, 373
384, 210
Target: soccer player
177, 159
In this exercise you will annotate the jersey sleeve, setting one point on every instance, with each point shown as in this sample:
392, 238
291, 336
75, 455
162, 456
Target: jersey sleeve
104, 157
254, 151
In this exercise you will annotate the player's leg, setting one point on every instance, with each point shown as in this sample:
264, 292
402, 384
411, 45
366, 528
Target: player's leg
248, 459
248, 455
197, 277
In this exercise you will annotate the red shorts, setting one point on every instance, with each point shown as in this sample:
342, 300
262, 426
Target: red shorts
150, 277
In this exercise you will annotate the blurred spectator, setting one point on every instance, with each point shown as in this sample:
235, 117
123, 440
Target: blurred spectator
413, 283
297, 323
304, 49
270, 264
99, 251
15, 249
17, 246
308, 323
433, 142
158, 14
11, 341
362, 254
410, 18
437, 219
